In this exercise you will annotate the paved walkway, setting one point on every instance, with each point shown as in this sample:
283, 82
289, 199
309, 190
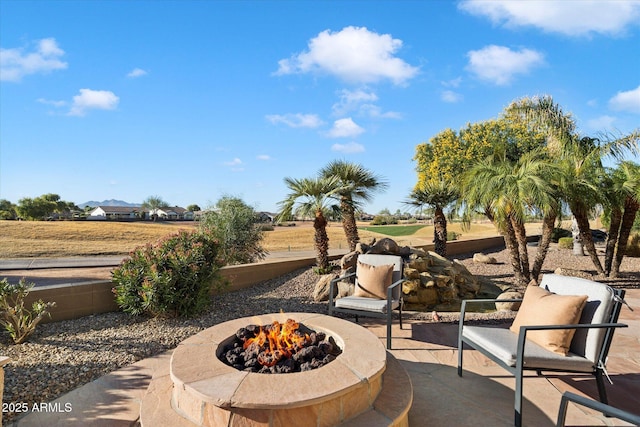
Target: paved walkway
482, 397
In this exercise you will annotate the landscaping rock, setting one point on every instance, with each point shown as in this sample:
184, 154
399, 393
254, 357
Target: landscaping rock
321, 290
573, 273
511, 306
384, 246
484, 259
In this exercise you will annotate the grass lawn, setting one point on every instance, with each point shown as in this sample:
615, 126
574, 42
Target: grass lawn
394, 230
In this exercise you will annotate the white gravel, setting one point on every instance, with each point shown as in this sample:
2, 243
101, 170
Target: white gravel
64, 355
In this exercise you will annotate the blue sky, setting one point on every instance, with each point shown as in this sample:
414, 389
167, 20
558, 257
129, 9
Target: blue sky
193, 100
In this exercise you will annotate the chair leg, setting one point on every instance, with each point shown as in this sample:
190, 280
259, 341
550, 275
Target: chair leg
389, 321
518, 397
602, 391
459, 355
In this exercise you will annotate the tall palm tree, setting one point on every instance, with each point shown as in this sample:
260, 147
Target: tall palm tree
580, 160
506, 191
438, 195
358, 184
313, 197
627, 181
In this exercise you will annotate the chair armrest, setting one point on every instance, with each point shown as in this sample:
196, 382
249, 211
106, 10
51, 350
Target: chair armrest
392, 287
332, 286
346, 276
604, 408
463, 307
522, 334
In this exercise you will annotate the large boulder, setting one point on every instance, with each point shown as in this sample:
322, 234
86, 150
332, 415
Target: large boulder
511, 306
431, 278
322, 288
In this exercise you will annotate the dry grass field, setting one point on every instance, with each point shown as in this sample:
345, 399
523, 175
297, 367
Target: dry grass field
22, 239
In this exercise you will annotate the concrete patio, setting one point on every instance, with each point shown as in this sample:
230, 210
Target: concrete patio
482, 397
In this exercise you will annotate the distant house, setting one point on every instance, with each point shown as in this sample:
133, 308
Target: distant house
266, 217
114, 213
174, 213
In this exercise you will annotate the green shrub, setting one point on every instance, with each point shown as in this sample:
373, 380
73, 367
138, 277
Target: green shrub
383, 220
557, 233
234, 224
16, 319
170, 278
452, 235
633, 246
565, 242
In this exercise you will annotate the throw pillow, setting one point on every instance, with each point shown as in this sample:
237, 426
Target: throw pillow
541, 307
373, 280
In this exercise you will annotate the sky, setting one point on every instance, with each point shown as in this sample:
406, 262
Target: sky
194, 100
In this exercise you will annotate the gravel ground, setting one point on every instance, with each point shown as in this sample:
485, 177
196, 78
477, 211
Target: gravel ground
64, 355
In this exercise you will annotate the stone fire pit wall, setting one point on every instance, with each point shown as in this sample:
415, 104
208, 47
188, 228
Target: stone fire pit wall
432, 280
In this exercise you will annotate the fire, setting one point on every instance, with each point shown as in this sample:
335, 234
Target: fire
277, 341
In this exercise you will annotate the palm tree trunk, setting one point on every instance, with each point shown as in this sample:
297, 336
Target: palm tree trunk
612, 239
631, 207
511, 243
321, 240
440, 232
548, 222
521, 239
349, 223
585, 232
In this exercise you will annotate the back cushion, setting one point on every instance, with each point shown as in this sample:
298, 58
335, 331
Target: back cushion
586, 342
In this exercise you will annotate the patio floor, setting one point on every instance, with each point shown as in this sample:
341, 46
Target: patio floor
482, 397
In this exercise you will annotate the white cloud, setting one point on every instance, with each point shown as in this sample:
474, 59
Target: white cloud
363, 103
353, 54
15, 63
89, 99
626, 101
348, 148
452, 83
450, 96
297, 120
344, 128
235, 162
499, 64
601, 123
264, 157
235, 165
56, 104
571, 18
137, 72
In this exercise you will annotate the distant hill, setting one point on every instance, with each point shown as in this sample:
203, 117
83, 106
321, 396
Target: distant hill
111, 202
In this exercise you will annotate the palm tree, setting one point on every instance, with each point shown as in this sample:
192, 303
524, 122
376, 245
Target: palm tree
359, 185
579, 159
505, 191
623, 213
313, 197
436, 194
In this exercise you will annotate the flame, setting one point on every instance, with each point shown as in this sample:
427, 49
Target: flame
277, 341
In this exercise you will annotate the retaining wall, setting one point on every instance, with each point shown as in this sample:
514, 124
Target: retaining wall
83, 299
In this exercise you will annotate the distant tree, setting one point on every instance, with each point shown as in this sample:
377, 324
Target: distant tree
437, 195
152, 204
43, 207
7, 210
359, 185
234, 224
193, 208
313, 197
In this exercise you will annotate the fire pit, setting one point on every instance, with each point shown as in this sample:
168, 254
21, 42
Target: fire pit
279, 348
363, 384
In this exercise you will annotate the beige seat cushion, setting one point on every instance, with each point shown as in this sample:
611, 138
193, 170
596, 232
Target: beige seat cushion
541, 307
373, 281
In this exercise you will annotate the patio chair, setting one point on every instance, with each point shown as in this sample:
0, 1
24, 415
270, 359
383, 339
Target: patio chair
565, 324
606, 410
377, 290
